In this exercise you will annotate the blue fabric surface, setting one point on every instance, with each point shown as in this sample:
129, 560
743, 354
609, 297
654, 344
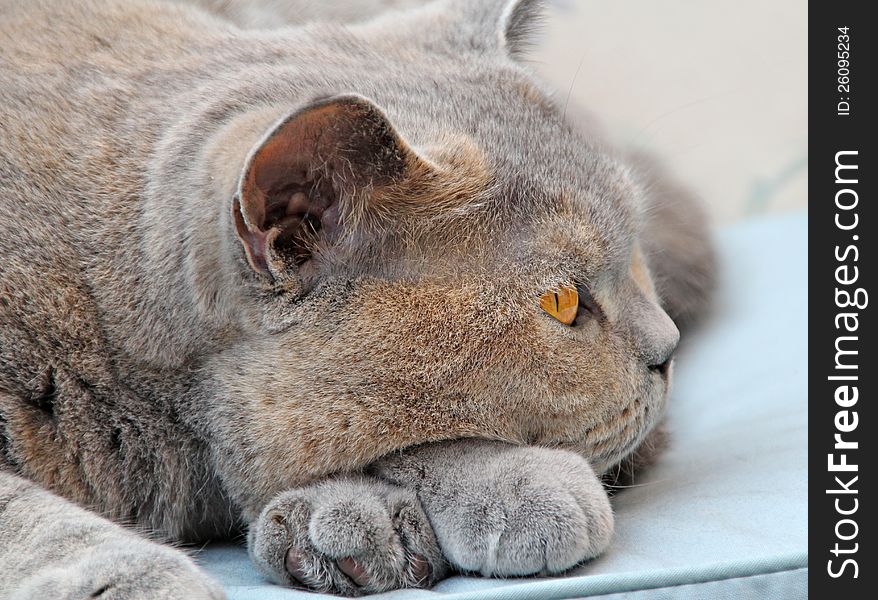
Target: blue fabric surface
724, 513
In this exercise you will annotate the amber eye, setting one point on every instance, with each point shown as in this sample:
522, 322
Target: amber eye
562, 303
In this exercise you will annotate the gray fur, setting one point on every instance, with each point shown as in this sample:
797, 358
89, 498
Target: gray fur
51, 548
153, 372
501, 510
475, 506
379, 526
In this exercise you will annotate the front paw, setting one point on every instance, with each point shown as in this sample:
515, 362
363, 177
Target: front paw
503, 510
348, 535
121, 568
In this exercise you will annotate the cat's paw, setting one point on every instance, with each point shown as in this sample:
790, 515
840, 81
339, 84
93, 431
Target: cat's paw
123, 568
502, 510
350, 536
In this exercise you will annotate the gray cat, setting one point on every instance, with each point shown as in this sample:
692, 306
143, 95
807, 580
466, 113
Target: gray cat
356, 289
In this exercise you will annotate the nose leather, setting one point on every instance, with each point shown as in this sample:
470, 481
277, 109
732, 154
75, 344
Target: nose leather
653, 333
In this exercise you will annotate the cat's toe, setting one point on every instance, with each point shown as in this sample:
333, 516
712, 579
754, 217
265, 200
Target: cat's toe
346, 536
561, 505
558, 514
127, 568
548, 532
519, 511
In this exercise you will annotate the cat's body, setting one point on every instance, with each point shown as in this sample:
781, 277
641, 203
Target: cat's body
168, 362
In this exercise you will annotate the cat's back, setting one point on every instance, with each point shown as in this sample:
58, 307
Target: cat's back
77, 125
72, 72
72, 78
84, 96
40, 36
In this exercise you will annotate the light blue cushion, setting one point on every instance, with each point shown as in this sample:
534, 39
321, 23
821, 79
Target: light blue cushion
723, 514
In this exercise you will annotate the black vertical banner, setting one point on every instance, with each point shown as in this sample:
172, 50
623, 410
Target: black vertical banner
843, 302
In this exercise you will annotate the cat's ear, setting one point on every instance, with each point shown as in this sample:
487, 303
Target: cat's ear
506, 26
310, 175
519, 24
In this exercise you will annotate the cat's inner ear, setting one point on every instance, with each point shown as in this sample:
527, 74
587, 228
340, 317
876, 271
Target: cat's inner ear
302, 179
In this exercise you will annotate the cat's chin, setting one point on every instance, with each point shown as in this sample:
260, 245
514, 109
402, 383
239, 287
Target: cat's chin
604, 465
634, 446
636, 421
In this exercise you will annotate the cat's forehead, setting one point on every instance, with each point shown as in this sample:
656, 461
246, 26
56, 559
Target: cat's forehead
546, 185
540, 163
522, 231
568, 198
581, 231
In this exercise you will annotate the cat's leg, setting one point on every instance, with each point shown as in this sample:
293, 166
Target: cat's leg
51, 548
496, 509
347, 535
503, 510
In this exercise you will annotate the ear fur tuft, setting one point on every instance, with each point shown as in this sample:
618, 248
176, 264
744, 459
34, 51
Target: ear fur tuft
456, 27
522, 22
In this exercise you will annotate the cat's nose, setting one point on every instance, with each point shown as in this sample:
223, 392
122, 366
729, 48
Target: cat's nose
663, 367
664, 344
653, 332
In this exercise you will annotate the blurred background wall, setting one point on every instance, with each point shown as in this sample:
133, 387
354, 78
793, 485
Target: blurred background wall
717, 89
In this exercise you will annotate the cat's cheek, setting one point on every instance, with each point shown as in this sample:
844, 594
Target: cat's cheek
636, 417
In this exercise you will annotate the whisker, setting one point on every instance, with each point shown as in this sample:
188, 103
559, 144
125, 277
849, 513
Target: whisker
634, 485
672, 111
572, 83
737, 89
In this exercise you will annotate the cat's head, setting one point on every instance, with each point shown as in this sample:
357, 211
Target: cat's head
441, 254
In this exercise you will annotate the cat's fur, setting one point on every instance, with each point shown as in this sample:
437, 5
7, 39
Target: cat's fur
168, 363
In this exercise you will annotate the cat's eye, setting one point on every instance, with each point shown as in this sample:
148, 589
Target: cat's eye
562, 303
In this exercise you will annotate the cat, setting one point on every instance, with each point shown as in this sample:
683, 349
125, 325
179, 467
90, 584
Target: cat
305, 281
